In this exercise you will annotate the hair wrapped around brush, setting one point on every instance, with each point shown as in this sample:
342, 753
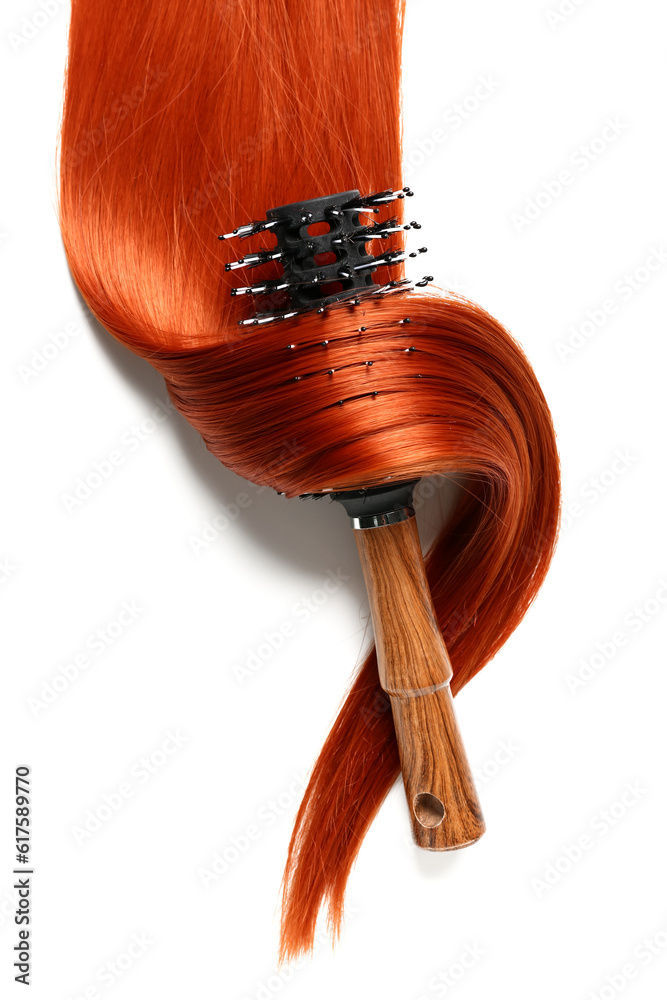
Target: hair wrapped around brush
183, 120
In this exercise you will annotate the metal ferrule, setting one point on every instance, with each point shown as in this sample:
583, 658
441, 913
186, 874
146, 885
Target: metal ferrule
381, 520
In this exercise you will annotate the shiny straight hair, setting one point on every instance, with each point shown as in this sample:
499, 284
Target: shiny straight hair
184, 119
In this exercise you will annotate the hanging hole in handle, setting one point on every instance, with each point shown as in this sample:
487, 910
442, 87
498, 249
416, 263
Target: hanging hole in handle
429, 810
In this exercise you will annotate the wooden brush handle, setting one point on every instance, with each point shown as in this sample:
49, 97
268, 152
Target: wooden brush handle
415, 672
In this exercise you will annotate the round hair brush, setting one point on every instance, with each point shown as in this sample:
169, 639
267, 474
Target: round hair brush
321, 247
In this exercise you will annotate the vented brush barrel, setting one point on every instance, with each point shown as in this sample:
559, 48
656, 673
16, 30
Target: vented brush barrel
322, 250
414, 670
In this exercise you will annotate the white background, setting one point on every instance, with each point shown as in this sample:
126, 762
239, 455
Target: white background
572, 752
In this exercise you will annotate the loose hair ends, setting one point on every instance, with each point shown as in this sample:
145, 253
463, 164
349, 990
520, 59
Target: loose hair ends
184, 120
